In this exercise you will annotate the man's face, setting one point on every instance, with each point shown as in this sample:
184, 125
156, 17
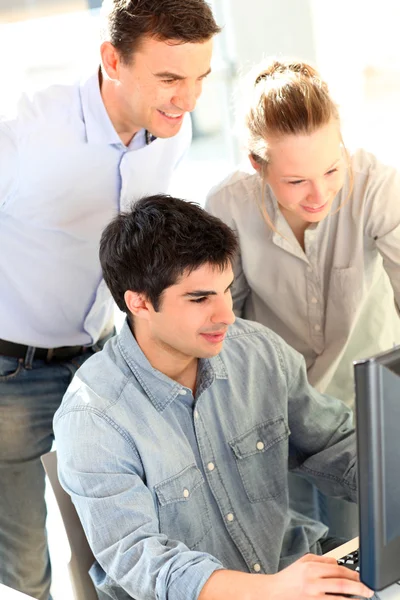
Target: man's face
194, 314
161, 84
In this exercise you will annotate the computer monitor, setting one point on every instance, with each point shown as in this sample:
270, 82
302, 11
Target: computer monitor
377, 382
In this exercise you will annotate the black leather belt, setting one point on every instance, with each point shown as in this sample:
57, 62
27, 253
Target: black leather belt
47, 354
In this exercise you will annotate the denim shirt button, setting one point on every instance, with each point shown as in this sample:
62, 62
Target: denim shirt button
229, 517
182, 392
211, 466
257, 568
260, 446
186, 493
196, 414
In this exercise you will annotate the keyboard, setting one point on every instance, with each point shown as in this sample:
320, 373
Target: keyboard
350, 560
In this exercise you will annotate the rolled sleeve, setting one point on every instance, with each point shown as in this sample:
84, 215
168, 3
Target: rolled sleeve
118, 513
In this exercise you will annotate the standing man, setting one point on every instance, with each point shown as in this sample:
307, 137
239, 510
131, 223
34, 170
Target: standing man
69, 161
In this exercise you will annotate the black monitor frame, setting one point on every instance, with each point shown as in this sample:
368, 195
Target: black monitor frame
379, 561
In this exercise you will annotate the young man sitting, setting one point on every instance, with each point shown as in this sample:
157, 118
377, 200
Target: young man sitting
175, 441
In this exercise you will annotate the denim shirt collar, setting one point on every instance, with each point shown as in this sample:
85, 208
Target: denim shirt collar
161, 389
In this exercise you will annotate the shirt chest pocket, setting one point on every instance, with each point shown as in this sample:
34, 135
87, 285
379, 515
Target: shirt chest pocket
262, 458
182, 507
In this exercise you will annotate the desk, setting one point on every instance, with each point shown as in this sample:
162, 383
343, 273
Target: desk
7, 593
344, 549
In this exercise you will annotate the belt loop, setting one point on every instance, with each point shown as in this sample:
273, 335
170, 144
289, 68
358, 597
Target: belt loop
29, 356
50, 353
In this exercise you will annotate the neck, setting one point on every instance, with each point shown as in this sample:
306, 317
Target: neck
117, 111
175, 365
296, 224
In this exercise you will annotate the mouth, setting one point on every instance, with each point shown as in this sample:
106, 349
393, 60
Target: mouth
215, 337
171, 117
314, 209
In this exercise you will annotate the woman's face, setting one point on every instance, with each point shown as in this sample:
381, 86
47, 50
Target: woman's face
306, 172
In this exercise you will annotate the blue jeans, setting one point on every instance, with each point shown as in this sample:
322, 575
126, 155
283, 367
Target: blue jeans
30, 393
339, 515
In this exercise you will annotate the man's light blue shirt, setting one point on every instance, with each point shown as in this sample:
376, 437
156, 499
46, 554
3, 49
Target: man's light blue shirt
171, 487
64, 174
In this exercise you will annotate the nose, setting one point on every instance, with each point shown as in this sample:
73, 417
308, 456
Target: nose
318, 193
223, 312
187, 96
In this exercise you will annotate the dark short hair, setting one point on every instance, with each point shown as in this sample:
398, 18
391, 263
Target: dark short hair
161, 238
127, 22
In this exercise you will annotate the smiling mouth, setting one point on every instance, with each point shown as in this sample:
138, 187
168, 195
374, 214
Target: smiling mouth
171, 115
315, 209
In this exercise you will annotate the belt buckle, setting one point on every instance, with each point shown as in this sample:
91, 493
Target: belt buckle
49, 355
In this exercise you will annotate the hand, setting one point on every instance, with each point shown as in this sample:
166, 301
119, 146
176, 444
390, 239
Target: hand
312, 576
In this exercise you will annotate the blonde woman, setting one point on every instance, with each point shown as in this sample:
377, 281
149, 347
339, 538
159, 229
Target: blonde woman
319, 233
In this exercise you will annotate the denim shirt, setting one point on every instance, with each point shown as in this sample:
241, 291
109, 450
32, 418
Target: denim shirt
170, 488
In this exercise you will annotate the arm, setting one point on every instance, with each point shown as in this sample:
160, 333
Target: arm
217, 204
103, 473
322, 442
8, 163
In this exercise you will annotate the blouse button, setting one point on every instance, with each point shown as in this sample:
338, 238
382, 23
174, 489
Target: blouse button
186, 493
257, 568
260, 446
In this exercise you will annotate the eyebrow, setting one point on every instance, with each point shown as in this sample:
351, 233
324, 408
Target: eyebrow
169, 75
200, 293
302, 176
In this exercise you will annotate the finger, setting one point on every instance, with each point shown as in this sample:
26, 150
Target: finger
325, 571
319, 558
342, 586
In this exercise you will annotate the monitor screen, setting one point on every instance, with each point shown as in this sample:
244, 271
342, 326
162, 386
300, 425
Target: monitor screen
377, 381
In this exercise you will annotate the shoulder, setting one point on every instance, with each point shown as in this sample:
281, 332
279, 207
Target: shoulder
53, 102
256, 343
98, 384
237, 189
240, 181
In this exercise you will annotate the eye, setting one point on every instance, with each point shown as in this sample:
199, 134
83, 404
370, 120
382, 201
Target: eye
199, 300
296, 182
168, 81
331, 172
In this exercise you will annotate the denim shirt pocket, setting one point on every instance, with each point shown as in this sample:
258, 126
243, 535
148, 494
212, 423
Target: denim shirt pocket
182, 506
262, 457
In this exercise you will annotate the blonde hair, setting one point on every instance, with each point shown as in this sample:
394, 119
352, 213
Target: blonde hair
288, 98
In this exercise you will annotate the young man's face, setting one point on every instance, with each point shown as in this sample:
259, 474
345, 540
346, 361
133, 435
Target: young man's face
194, 314
161, 84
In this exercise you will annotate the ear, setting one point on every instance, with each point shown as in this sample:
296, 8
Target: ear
138, 305
254, 163
110, 60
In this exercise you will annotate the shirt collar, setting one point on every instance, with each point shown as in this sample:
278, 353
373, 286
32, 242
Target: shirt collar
160, 389
99, 127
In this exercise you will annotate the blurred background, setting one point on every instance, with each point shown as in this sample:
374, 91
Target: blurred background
354, 43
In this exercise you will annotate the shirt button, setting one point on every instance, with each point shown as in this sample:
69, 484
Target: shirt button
257, 568
186, 493
314, 300
317, 328
196, 414
229, 517
260, 446
182, 392
211, 466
